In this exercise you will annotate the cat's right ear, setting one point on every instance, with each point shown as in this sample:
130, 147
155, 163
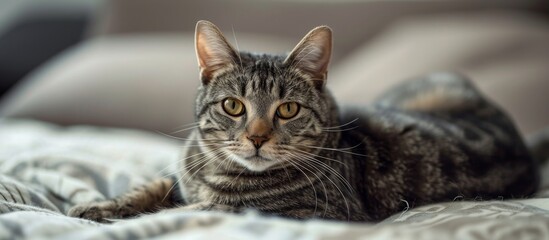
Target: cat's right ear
213, 52
312, 55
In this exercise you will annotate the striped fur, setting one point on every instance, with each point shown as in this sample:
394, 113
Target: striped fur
428, 140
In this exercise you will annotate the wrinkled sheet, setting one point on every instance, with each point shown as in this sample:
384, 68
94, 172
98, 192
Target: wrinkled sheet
46, 169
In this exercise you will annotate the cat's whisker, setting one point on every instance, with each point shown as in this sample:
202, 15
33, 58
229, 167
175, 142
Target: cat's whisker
315, 155
286, 171
206, 163
309, 179
171, 188
333, 171
186, 125
197, 161
218, 141
343, 125
176, 171
235, 178
189, 167
200, 153
205, 145
188, 139
220, 163
340, 130
338, 189
237, 48
321, 182
185, 129
185, 158
341, 150
178, 180
350, 148
312, 157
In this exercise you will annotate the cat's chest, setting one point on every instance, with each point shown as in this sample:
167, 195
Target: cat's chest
221, 190
240, 189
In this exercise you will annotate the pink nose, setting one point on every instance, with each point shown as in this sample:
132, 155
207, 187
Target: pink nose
258, 140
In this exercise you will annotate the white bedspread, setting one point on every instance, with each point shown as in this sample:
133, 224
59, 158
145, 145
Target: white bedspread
45, 169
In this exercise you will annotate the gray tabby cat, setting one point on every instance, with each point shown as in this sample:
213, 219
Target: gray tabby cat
270, 137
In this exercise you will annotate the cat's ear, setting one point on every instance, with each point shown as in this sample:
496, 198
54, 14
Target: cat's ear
213, 51
312, 55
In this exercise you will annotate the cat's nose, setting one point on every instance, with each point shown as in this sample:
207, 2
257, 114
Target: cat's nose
259, 131
258, 140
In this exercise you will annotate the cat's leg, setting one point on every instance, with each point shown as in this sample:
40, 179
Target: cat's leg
151, 197
308, 213
433, 93
297, 213
203, 206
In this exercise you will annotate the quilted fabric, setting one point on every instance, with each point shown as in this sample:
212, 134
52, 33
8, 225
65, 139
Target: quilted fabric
45, 169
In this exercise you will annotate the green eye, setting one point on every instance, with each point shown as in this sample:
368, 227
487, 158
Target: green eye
233, 107
287, 110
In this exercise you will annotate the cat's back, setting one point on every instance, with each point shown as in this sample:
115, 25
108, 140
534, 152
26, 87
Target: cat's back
432, 141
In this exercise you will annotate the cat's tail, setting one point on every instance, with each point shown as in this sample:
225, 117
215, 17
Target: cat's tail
538, 143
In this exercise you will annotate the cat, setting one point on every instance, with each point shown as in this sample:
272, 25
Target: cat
270, 137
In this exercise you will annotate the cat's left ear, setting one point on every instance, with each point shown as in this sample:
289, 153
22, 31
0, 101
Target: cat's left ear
213, 51
312, 55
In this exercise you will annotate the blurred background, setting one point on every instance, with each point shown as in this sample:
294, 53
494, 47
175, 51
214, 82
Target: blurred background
131, 63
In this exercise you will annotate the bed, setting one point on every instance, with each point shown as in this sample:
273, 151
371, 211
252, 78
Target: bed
147, 81
45, 169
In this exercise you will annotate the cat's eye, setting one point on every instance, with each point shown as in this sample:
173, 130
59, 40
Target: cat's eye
287, 110
233, 107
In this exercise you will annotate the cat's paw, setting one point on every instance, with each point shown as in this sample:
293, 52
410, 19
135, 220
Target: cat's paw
203, 206
99, 212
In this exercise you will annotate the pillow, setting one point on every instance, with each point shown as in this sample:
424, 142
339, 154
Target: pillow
133, 81
505, 53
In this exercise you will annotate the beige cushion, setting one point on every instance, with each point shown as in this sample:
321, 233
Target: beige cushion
353, 21
149, 82
505, 53
136, 81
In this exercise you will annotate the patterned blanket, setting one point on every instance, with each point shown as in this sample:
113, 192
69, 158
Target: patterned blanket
45, 169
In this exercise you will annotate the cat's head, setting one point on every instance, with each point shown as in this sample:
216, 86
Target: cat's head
263, 111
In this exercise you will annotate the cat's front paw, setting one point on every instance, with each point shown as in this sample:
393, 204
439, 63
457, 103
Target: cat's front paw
203, 206
99, 212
